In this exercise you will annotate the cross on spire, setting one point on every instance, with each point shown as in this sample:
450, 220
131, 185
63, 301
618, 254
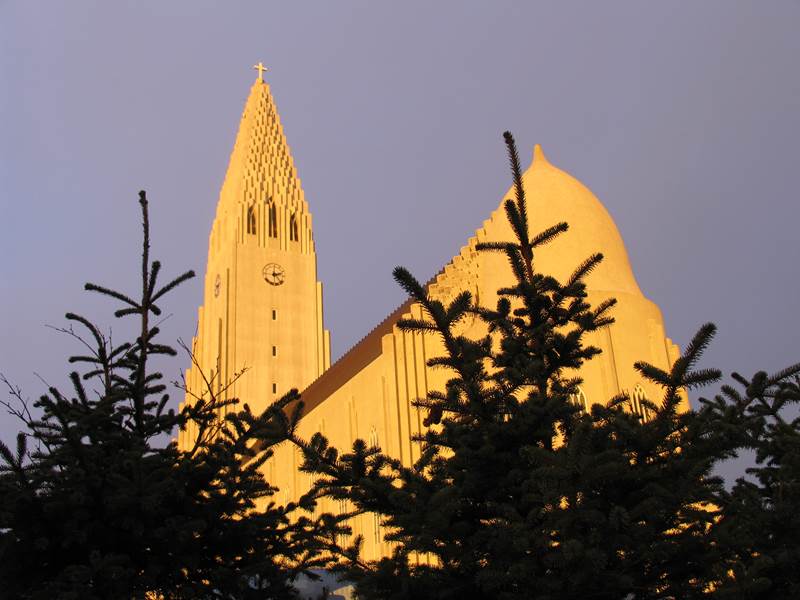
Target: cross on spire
260, 68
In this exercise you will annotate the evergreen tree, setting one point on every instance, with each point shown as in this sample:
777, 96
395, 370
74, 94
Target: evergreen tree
760, 523
94, 505
518, 493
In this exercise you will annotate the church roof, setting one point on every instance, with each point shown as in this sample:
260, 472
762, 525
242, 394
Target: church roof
552, 196
352, 361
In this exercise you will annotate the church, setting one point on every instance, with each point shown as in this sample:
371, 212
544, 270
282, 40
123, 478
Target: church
263, 308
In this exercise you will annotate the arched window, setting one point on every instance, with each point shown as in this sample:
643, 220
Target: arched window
636, 404
273, 221
579, 399
293, 233
373, 438
251, 220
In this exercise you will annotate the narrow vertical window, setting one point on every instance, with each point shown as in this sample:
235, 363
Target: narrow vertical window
580, 400
274, 388
637, 405
274, 351
343, 509
274, 315
273, 221
376, 520
376, 529
373, 438
251, 220
219, 356
293, 232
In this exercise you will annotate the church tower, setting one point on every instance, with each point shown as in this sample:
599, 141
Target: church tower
262, 303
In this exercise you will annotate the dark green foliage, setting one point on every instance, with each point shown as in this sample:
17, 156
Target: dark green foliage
518, 493
760, 526
93, 506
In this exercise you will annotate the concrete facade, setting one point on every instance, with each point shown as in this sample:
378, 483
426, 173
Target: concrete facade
262, 303
368, 392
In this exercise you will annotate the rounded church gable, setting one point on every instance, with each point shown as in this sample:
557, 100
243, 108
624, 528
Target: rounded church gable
554, 196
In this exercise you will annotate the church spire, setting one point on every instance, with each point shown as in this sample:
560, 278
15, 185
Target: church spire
261, 168
262, 303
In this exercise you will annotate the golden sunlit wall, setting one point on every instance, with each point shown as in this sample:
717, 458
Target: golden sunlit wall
367, 393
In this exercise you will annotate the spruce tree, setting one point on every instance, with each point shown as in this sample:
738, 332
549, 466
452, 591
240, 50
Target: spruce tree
518, 493
94, 504
759, 528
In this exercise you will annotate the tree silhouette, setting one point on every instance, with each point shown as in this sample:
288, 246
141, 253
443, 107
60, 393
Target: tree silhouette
96, 508
519, 492
759, 529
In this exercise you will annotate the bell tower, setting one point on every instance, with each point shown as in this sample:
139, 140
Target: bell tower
262, 303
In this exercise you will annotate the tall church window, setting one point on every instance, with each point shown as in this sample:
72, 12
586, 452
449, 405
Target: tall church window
636, 403
343, 509
251, 220
351, 409
580, 400
376, 520
273, 221
376, 529
373, 438
293, 233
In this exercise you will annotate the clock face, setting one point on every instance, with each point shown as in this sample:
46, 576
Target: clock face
273, 274
217, 286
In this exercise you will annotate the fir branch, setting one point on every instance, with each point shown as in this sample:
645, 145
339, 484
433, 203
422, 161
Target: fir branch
548, 235
173, 284
91, 287
519, 188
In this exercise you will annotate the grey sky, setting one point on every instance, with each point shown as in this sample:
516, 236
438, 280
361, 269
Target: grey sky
682, 117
